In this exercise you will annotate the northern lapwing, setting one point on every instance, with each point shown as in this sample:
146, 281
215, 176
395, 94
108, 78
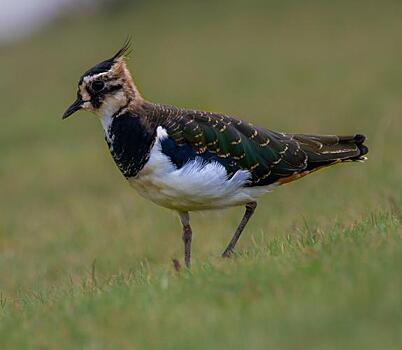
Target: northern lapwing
188, 160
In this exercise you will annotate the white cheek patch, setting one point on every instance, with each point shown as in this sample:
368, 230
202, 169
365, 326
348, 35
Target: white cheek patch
84, 93
112, 103
87, 105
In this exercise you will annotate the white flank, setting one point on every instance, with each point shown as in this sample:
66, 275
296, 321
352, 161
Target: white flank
198, 185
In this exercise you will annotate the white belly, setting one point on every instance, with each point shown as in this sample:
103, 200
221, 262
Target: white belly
195, 186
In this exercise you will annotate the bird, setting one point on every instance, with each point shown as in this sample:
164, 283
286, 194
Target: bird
189, 160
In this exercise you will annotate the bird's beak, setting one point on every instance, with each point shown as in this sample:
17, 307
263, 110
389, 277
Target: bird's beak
77, 105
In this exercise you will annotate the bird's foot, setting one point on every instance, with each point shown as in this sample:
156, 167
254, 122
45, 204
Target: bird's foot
176, 265
227, 253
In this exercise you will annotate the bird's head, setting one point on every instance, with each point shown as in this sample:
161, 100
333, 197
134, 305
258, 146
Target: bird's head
106, 87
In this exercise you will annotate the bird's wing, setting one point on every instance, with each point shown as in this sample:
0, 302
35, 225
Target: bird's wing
235, 144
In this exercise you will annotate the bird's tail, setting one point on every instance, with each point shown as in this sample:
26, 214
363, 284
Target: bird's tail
325, 150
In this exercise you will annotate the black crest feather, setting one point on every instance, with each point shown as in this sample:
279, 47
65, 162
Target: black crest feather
106, 65
125, 49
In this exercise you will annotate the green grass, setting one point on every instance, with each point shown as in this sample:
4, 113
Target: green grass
332, 290
86, 263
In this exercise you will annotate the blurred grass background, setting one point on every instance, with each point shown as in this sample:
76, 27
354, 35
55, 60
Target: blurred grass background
309, 67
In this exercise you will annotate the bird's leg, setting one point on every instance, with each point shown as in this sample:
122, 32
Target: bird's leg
187, 233
250, 207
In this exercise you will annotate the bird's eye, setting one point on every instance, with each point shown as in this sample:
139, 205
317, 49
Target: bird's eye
97, 85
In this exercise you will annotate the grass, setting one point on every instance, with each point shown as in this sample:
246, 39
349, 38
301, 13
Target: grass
86, 263
338, 289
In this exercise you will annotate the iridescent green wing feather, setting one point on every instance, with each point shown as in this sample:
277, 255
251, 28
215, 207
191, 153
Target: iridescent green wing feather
267, 155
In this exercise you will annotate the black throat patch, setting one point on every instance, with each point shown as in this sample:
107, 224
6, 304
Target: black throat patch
130, 143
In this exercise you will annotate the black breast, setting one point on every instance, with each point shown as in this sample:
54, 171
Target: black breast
130, 144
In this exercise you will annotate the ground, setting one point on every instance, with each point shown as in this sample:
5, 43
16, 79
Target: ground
86, 263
